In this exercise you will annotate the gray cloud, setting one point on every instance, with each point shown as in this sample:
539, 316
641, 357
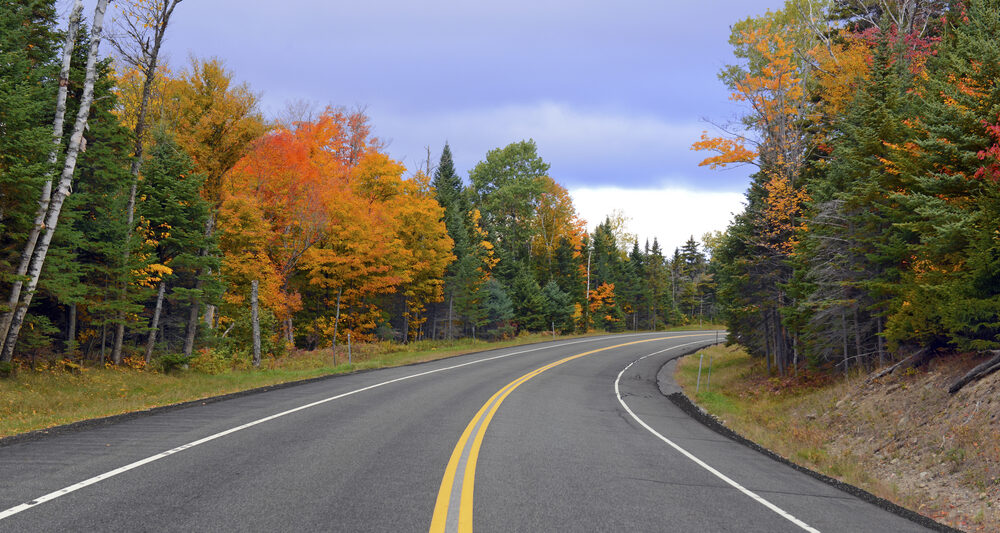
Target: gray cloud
618, 86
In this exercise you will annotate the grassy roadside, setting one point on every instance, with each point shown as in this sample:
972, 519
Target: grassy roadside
41, 399
895, 438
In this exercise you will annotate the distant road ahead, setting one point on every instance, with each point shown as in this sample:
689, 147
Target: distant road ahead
532, 438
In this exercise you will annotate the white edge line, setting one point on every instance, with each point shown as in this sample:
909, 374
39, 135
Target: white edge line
87, 482
784, 514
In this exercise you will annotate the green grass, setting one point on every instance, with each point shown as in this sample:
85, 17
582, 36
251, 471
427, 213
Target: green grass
55, 395
777, 413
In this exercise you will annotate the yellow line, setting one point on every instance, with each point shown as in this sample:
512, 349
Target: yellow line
439, 520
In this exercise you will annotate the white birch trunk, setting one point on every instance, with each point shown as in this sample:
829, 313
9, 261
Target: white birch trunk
65, 182
255, 320
336, 324
46, 195
150, 58
151, 341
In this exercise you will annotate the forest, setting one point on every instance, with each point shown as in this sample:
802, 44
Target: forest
870, 234
152, 212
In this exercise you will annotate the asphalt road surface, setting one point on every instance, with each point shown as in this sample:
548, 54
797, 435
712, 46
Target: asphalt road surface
567, 435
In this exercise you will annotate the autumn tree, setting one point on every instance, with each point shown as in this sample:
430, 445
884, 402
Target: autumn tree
142, 24
215, 121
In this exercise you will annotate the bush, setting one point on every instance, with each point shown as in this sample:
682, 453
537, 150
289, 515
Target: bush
172, 361
7, 369
222, 359
240, 338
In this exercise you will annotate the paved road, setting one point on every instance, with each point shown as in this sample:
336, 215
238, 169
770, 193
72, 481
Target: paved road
532, 438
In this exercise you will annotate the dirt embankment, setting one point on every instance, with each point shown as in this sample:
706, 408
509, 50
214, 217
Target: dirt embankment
901, 437
944, 449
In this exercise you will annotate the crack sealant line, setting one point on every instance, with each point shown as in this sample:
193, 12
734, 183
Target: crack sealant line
781, 512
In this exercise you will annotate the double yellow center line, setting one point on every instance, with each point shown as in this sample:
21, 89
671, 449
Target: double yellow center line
453, 510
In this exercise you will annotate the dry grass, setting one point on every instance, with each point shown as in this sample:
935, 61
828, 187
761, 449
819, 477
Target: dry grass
903, 439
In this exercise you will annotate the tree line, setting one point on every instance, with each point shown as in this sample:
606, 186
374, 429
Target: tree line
149, 212
870, 230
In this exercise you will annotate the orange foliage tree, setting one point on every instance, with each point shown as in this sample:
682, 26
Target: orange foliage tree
555, 219
319, 214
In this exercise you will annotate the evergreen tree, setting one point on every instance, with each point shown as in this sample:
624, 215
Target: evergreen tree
952, 290
447, 184
529, 302
29, 73
174, 216
84, 264
852, 251
633, 293
498, 310
558, 307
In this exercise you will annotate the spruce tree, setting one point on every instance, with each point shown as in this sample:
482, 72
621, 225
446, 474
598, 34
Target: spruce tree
29, 73
83, 264
952, 288
174, 216
529, 303
557, 306
446, 182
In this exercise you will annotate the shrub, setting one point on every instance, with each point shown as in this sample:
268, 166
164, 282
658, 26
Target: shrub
172, 361
7, 369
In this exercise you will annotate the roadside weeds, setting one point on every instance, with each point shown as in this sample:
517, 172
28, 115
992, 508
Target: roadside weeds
902, 438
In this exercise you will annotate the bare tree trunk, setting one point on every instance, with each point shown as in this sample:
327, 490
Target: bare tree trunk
46, 195
779, 343
406, 321
451, 305
192, 326
881, 341
71, 336
336, 322
65, 182
767, 343
843, 332
795, 355
980, 371
104, 340
857, 336
151, 341
116, 346
148, 62
210, 312
255, 322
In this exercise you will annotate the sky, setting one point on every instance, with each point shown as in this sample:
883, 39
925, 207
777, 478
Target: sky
613, 93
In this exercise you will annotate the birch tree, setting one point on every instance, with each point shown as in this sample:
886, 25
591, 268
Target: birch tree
143, 25
215, 120
64, 188
46, 194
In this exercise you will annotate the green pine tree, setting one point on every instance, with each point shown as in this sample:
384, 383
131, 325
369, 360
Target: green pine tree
29, 74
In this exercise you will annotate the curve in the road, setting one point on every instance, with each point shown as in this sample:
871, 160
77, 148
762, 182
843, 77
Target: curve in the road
131, 466
756, 497
453, 510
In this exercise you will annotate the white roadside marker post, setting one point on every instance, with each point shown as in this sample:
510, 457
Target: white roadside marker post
708, 384
701, 358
